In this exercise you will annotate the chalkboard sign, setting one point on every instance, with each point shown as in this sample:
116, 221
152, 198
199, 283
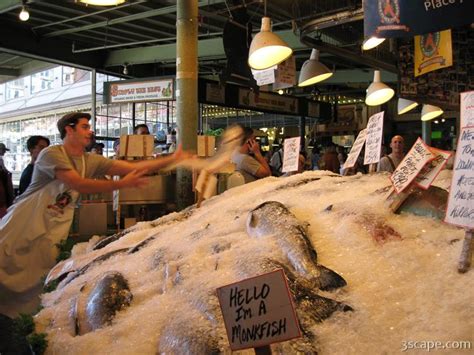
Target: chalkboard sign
411, 165
429, 172
258, 311
460, 210
355, 150
373, 141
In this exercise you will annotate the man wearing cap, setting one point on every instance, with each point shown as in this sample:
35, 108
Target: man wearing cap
6, 185
42, 215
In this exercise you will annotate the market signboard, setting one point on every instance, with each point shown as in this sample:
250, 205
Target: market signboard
406, 18
355, 150
411, 165
139, 91
291, 154
268, 101
373, 141
460, 210
258, 311
433, 51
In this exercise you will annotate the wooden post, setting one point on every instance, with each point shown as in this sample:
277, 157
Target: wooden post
466, 253
263, 350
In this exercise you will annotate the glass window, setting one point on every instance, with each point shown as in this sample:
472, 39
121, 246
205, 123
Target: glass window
2, 93
16, 89
75, 75
42, 81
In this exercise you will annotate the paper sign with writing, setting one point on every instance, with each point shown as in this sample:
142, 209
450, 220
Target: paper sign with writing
373, 141
411, 165
291, 154
429, 172
258, 311
460, 209
355, 150
467, 109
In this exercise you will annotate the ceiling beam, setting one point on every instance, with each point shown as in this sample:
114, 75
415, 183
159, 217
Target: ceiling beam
9, 72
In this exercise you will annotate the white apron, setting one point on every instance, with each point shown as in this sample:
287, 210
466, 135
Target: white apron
30, 231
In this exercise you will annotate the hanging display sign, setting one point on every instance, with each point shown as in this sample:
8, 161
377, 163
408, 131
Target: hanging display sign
355, 150
282, 76
215, 93
460, 210
373, 141
433, 51
406, 18
139, 91
467, 109
411, 165
291, 154
429, 172
267, 101
258, 311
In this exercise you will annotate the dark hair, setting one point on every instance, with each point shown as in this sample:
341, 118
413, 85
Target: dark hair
33, 141
247, 134
70, 119
99, 145
135, 129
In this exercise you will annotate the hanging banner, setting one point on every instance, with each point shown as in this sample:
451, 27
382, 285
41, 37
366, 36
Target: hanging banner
460, 211
373, 142
433, 51
411, 165
406, 18
467, 109
138, 90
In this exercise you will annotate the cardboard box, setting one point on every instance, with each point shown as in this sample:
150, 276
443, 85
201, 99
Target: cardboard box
206, 146
136, 146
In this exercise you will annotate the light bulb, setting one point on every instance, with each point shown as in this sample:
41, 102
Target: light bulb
24, 14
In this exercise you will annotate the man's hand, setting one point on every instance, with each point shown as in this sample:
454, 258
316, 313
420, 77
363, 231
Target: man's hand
134, 178
180, 154
254, 146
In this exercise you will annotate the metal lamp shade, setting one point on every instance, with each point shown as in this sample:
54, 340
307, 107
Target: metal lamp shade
313, 71
371, 42
267, 49
103, 2
429, 112
405, 105
378, 93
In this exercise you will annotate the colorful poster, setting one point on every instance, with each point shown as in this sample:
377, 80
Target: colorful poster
407, 18
429, 172
291, 154
433, 51
460, 210
355, 150
373, 141
140, 91
411, 165
467, 109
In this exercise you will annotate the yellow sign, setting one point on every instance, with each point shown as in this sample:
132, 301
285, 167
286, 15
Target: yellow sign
433, 51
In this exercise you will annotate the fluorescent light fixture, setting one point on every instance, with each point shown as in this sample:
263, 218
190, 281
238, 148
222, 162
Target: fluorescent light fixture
103, 2
405, 105
267, 49
24, 14
313, 71
377, 92
430, 111
371, 42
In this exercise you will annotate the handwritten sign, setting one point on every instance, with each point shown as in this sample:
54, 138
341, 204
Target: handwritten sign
429, 172
258, 311
467, 109
373, 141
291, 153
355, 150
411, 165
460, 210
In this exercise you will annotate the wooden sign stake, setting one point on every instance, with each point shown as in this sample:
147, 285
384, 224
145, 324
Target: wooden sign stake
466, 253
263, 350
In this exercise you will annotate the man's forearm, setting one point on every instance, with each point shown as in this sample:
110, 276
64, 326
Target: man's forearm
259, 157
154, 164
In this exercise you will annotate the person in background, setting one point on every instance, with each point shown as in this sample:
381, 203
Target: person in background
276, 162
315, 157
341, 156
34, 144
329, 160
141, 129
248, 158
98, 148
6, 185
42, 216
390, 162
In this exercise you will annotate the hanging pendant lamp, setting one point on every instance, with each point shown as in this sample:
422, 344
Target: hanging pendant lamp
378, 93
429, 112
372, 42
267, 49
103, 2
313, 71
404, 105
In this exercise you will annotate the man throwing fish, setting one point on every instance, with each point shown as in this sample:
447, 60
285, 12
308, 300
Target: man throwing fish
42, 215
